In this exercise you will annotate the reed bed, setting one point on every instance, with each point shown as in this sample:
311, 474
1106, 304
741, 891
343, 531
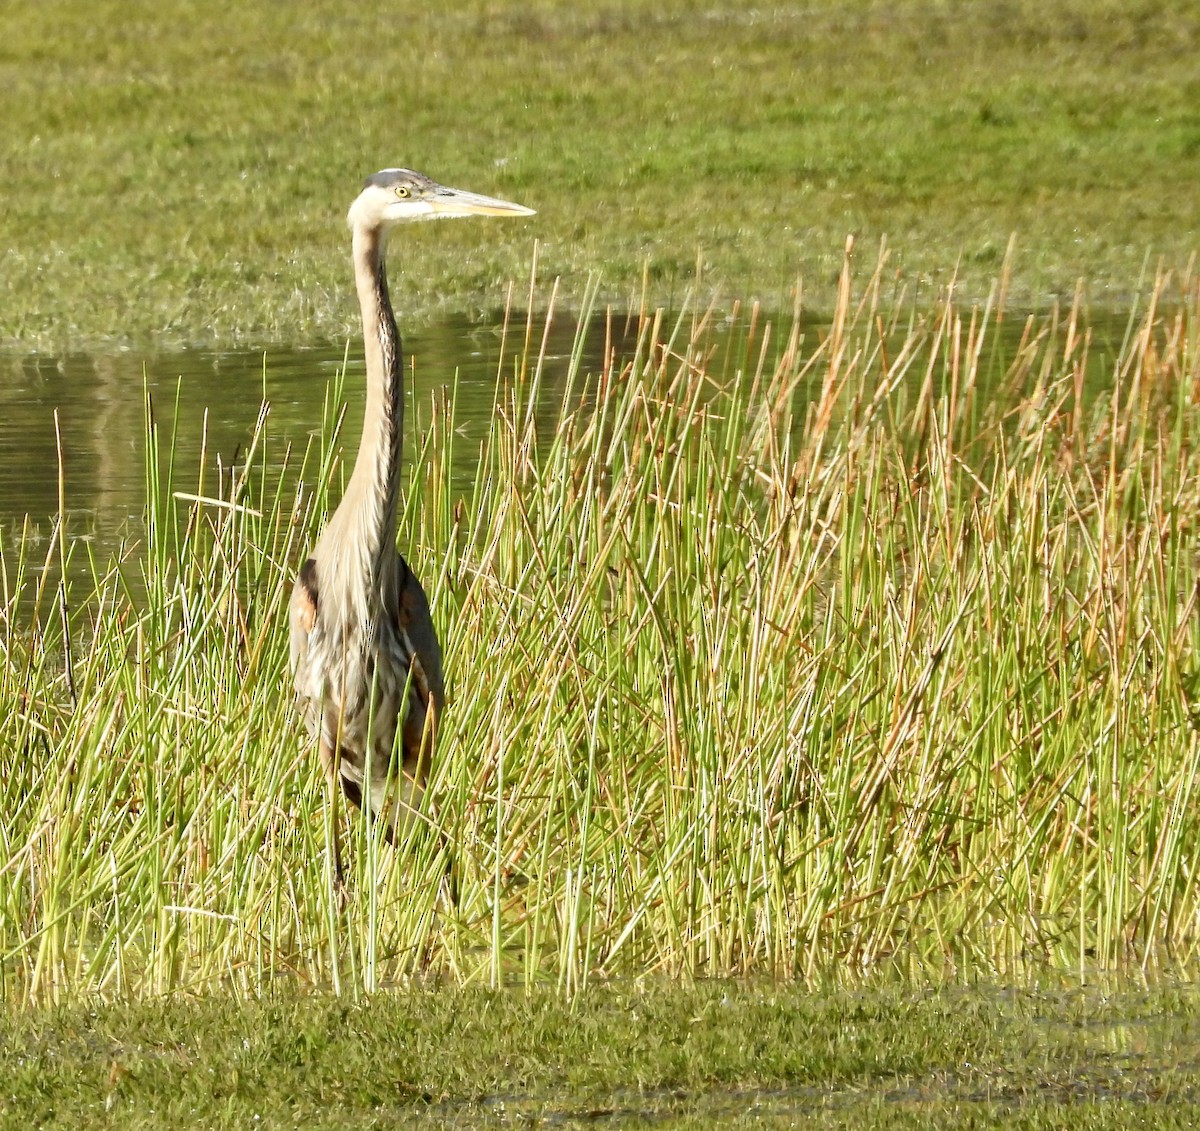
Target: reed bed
873, 642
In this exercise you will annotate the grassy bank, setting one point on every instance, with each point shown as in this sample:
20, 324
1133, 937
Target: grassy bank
651, 1055
878, 645
173, 173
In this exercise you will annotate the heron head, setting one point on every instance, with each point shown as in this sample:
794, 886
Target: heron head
393, 196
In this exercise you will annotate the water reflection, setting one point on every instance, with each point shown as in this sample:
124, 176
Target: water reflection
213, 398
101, 414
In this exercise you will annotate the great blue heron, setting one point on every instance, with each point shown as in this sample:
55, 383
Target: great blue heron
364, 653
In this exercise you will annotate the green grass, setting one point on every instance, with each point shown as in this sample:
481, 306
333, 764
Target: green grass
870, 647
873, 647
650, 1054
180, 173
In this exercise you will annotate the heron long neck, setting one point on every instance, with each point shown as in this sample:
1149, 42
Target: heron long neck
373, 490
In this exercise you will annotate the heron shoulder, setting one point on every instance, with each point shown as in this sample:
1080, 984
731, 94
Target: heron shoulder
304, 597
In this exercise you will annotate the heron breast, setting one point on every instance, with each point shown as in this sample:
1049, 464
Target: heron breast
358, 685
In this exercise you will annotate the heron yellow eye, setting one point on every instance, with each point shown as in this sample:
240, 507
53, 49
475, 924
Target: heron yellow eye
402, 191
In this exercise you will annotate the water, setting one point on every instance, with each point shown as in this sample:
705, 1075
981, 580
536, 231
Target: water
100, 404
100, 401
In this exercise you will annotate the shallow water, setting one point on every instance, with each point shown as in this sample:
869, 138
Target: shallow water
212, 398
206, 397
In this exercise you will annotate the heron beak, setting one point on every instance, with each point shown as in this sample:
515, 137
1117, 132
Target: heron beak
448, 202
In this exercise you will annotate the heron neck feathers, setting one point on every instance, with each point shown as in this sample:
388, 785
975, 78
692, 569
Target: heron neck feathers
365, 520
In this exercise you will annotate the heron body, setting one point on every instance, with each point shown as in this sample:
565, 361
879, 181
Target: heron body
364, 654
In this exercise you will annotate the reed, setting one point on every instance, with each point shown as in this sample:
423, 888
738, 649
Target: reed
875, 643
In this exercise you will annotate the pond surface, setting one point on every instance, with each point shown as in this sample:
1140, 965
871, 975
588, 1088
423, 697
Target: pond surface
212, 398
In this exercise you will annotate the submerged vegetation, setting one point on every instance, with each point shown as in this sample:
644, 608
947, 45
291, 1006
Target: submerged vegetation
875, 646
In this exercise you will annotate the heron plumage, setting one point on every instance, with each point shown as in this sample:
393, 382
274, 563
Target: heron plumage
365, 658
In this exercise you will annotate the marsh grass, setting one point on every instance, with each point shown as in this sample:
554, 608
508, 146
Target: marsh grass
631, 1053
868, 648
